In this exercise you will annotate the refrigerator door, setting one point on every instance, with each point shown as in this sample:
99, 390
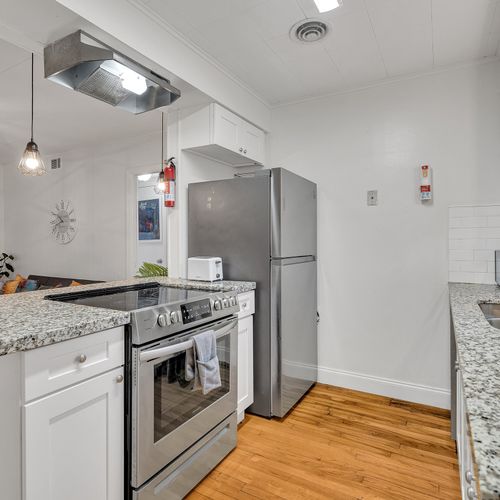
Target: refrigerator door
231, 219
294, 331
293, 209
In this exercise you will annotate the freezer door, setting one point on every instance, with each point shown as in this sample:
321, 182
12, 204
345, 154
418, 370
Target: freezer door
230, 219
294, 214
294, 331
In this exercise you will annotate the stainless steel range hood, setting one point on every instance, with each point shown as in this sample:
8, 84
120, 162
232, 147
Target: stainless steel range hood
83, 63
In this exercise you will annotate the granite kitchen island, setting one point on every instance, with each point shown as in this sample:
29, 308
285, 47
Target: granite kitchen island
28, 320
63, 385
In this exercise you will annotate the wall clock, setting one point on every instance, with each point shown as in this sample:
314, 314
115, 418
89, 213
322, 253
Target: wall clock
63, 222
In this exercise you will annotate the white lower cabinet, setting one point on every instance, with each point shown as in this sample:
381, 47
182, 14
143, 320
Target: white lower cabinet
468, 484
74, 442
245, 365
245, 352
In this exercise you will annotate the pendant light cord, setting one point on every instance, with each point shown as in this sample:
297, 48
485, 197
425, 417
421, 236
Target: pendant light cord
162, 135
32, 91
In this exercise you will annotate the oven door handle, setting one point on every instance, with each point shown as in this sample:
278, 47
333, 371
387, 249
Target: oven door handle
182, 346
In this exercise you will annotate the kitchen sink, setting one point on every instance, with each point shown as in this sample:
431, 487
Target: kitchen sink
492, 314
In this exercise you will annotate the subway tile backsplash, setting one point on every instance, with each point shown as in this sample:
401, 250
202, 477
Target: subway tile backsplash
474, 235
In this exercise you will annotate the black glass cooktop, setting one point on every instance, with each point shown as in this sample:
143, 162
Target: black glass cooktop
129, 298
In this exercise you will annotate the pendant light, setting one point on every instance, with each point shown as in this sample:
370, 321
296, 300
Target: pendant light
161, 186
31, 162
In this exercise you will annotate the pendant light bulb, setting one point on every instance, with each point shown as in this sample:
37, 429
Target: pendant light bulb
161, 186
31, 162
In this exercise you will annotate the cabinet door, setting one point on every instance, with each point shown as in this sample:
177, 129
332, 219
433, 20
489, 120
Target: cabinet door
74, 442
226, 126
252, 140
245, 365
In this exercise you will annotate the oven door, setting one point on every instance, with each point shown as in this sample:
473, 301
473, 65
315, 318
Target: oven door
167, 415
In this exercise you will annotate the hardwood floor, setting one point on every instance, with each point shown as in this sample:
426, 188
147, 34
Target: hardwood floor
340, 444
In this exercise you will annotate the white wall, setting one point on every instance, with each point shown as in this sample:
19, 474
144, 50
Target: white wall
94, 180
383, 270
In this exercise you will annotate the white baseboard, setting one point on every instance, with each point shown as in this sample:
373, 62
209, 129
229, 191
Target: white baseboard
406, 391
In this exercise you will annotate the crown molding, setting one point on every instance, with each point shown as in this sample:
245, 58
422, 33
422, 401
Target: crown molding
390, 81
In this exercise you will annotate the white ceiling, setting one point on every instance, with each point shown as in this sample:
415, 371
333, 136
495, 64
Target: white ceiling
370, 40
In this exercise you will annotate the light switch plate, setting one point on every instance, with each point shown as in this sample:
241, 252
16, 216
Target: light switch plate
372, 198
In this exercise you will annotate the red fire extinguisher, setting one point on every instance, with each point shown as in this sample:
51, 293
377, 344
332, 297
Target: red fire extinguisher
169, 173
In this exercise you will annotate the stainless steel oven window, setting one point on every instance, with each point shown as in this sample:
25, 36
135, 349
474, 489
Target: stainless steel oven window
175, 401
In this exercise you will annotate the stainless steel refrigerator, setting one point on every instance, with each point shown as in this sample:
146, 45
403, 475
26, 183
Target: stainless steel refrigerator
264, 228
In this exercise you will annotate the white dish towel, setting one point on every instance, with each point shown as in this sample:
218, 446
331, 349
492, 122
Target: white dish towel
206, 373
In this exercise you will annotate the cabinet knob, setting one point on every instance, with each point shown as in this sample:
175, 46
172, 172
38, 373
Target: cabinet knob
241, 150
245, 151
468, 476
119, 379
471, 493
82, 358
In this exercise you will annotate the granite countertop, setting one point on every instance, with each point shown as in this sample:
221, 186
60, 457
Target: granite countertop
478, 349
27, 321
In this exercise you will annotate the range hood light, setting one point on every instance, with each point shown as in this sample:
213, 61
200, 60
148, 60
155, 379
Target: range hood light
130, 79
134, 82
326, 5
87, 65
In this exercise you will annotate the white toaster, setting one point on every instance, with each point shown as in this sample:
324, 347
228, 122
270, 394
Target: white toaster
205, 268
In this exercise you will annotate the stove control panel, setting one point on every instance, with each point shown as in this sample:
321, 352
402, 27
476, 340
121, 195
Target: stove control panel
194, 311
204, 309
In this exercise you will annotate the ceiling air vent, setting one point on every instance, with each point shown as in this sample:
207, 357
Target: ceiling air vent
309, 31
55, 163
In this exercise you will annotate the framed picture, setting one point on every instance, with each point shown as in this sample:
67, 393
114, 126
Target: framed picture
149, 227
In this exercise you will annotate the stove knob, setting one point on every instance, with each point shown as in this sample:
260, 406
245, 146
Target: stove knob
225, 303
163, 320
217, 305
173, 317
232, 301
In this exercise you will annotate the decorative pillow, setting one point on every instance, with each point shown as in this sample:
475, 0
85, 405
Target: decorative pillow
22, 280
74, 283
10, 286
30, 286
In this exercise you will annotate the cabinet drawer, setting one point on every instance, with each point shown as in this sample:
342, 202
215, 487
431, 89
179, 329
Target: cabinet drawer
247, 304
56, 366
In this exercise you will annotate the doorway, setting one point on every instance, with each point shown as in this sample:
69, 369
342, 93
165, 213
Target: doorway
151, 222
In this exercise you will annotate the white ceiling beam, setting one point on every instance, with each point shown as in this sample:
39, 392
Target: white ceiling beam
131, 23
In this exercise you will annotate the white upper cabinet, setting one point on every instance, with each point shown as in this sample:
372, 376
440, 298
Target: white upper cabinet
219, 134
226, 128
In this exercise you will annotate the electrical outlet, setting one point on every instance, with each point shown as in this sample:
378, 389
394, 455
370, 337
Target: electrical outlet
372, 198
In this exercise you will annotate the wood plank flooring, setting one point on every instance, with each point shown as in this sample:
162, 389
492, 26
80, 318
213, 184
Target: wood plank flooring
340, 444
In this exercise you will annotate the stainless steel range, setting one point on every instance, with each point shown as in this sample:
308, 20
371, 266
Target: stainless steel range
175, 435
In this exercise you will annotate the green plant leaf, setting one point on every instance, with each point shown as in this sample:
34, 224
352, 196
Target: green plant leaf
148, 270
